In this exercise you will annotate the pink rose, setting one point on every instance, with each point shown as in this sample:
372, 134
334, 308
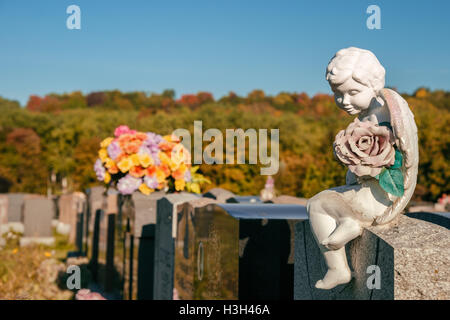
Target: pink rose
120, 130
365, 147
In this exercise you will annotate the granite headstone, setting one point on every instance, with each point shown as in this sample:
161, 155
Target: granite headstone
408, 261
235, 251
168, 210
38, 215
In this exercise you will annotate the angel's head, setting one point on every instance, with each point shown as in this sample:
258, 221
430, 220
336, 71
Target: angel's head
356, 78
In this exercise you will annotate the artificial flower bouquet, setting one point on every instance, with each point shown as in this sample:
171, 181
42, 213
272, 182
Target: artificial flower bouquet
133, 160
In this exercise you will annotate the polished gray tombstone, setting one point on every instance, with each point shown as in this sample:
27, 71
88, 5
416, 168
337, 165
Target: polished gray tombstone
96, 199
15, 206
139, 246
144, 212
37, 219
95, 214
439, 218
235, 251
168, 210
110, 208
101, 220
3, 214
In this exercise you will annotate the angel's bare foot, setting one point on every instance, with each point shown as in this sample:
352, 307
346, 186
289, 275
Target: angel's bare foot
345, 232
333, 278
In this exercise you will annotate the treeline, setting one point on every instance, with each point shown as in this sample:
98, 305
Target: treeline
154, 102
53, 141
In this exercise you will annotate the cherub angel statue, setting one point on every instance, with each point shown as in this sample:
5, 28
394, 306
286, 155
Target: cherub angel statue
381, 152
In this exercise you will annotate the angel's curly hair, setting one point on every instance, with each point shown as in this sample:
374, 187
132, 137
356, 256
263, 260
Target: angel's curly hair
360, 64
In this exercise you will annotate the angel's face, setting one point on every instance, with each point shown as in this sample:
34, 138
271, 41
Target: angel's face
352, 96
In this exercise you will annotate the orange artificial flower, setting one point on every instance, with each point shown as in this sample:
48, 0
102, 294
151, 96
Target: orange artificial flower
120, 157
179, 173
165, 145
141, 136
113, 169
165, 169
129, 143
137, 171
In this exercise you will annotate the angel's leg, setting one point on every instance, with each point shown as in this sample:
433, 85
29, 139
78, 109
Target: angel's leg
347, 230
323, 224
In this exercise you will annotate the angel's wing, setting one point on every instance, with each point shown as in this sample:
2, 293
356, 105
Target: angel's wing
405, 132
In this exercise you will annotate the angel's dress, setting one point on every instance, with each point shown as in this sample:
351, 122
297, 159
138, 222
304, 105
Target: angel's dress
363, 202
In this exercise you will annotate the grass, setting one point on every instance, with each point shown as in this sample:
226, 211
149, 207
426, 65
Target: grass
33, 272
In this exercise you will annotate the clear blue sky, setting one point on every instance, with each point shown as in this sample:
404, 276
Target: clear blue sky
214, 45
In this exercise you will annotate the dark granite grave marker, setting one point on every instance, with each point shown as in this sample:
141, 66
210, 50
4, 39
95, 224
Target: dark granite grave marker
109, 208
93, 262
439, 218
168, 209
80, 232
236, 251
112, 276
140, 246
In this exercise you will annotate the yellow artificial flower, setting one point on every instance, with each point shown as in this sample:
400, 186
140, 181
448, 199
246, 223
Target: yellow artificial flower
179, 185
164, 158
105, 143
107, 178
135, 159
179, 173
178, 155
103, 155
125, 164
160, 176
109, 163
47, 254
195, 187
145, 160
170, 138
145, 189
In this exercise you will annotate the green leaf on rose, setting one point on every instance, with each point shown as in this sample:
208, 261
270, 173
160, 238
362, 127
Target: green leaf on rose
398, 160
391, 180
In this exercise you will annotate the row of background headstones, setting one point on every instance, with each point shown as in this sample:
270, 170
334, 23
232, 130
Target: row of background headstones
29, 214
136, 264
150, 272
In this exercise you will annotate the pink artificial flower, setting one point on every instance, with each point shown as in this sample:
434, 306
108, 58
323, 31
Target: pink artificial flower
120, 130
86, 294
